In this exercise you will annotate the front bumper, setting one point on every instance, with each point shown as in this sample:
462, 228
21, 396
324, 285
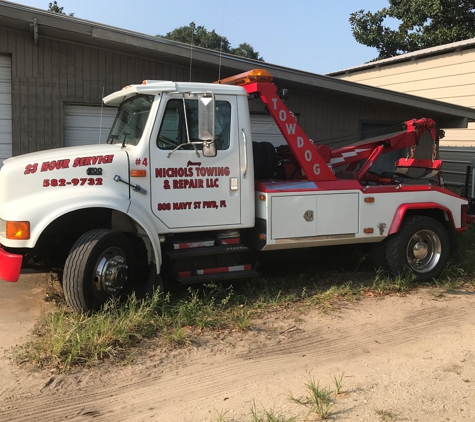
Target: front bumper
10, 265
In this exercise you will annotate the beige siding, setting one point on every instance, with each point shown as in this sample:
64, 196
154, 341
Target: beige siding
449, 77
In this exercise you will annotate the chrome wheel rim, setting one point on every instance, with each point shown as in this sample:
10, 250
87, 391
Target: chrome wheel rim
423, 251
110, 273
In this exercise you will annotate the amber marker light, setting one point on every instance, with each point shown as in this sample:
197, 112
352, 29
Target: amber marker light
368, 230
262, 236
19, 230
262, 197
369, 199
138, 173
255, 75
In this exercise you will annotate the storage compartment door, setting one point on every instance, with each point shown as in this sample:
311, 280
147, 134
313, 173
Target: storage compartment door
293, 216
337, 214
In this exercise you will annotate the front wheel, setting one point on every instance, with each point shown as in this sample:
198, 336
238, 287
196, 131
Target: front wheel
99, 266
421, 246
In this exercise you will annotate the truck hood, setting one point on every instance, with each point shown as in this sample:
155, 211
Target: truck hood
61, 153
61, 173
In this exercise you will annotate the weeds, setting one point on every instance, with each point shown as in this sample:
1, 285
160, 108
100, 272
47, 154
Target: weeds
65, 339
338, 383
384, 283
318, 401
268, 416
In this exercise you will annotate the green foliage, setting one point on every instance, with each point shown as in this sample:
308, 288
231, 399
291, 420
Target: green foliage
199, 36
422, 24
318, 401
268, 416
53, 7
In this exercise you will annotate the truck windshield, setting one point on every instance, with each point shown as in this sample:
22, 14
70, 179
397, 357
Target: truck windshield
130, 120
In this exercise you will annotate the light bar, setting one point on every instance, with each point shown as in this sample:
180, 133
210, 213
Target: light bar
255, 75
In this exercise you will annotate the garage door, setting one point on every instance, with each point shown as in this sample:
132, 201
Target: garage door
264, 129
83, 125
5, 108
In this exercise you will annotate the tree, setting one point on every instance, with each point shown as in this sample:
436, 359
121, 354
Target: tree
53, 7
199, 36
422, 24
246, 50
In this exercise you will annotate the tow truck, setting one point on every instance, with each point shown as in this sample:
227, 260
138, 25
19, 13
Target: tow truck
181, 192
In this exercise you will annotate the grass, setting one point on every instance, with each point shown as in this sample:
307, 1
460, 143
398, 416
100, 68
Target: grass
269, 416
300, 280
318, 401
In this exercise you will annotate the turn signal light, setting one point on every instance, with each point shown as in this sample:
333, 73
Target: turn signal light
138, 173
19, 230
255, 75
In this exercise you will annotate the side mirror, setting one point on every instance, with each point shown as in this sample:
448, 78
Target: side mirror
206, 123
209, 149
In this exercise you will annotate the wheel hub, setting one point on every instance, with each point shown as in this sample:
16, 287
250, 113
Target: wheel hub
111, 272
420, 250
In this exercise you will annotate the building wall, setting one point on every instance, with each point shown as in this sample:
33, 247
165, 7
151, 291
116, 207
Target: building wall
56, 73
447, 77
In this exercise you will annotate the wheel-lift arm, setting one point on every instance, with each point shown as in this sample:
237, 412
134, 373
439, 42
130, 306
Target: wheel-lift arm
370, 150
410, 133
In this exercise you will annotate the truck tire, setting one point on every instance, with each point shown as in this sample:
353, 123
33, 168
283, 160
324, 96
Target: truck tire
378, 254
421, 247
98, 267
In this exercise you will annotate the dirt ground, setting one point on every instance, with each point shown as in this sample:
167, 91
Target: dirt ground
408, 358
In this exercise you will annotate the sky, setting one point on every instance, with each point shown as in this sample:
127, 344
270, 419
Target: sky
309, 35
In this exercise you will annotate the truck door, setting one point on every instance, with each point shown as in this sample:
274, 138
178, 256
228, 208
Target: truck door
190, 190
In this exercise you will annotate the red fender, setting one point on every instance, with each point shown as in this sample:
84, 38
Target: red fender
402, 209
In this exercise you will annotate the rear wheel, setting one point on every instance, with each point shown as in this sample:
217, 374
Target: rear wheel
99, 266
422, 246
378, 253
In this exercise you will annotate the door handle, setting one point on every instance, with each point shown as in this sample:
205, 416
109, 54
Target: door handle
245, 153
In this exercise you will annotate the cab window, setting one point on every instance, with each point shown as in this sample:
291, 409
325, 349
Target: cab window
173, 128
